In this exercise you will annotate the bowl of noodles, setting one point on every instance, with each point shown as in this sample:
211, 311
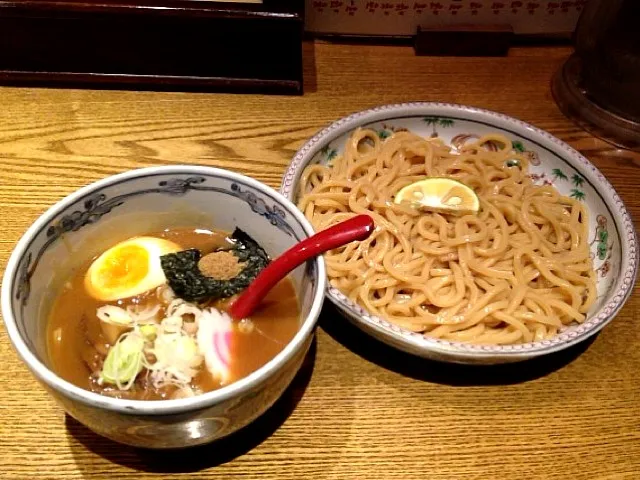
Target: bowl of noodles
544, 257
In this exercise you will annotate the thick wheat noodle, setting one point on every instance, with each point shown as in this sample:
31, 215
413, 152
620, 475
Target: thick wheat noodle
517, 271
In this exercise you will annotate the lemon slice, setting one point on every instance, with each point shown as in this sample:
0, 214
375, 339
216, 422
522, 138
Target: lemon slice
442, 195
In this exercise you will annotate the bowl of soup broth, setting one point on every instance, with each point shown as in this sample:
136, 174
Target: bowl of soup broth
116, 299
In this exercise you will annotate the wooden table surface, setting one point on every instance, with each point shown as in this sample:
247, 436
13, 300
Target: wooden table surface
357, 409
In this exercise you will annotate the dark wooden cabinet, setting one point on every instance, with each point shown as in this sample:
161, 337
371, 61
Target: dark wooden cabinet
153, 44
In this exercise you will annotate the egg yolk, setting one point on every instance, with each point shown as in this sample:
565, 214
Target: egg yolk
125, 266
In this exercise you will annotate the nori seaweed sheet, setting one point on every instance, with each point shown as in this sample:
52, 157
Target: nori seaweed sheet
187, 281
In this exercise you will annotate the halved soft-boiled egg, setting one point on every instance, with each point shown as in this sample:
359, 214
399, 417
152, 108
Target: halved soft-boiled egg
128, 269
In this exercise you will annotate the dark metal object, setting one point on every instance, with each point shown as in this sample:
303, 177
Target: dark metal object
599, 86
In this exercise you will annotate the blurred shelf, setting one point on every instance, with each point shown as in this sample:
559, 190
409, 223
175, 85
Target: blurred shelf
153, 44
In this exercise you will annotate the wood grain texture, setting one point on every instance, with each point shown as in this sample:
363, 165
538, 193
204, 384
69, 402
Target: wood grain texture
357, 409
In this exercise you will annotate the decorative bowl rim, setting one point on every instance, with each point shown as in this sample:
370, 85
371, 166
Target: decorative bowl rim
148, 407
623, 283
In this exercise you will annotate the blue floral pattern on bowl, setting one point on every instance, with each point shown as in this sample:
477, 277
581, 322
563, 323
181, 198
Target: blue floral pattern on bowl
96, 206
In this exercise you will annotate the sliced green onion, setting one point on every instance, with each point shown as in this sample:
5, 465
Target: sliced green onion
149, 331
176, 359
124, 361
186, 349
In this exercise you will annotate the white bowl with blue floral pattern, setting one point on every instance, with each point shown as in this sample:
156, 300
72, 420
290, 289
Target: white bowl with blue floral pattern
133, 203
612, 236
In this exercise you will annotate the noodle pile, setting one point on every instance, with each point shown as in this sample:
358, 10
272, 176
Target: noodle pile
517, 271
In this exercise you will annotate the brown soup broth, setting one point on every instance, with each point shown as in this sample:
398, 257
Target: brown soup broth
77, 344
